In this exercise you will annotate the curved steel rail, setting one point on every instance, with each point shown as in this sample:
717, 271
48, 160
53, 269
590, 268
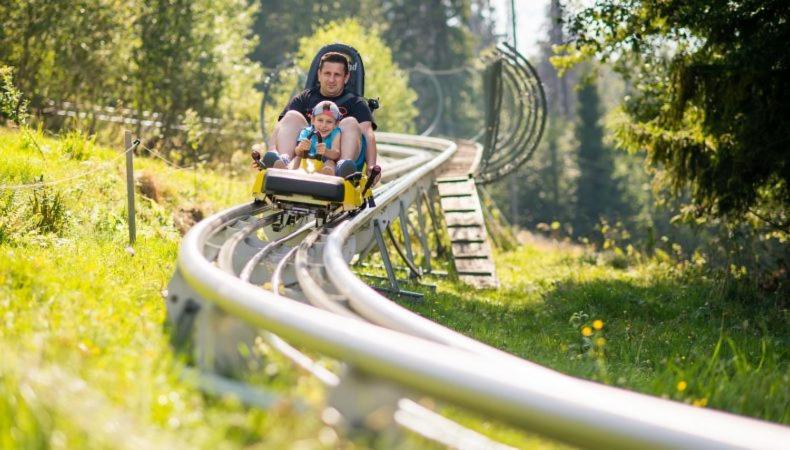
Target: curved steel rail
509, 143
425, 357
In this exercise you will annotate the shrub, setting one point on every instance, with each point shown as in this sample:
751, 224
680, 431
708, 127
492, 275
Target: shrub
77, 146
12, 218
49, 211
12, 106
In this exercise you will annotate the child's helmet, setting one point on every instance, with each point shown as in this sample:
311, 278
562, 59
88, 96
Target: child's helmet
327, 107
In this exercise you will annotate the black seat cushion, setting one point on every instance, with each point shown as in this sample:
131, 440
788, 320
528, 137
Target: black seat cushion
316, 185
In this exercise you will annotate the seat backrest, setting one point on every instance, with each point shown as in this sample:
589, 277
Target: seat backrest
356, 83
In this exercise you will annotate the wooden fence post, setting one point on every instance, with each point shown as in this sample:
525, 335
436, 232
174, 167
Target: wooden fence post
127, 145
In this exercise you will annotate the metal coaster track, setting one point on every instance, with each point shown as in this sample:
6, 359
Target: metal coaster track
216, 302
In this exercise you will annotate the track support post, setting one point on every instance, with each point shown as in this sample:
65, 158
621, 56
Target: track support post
404, 228
363, 406
426, 251
434, 221
385, 256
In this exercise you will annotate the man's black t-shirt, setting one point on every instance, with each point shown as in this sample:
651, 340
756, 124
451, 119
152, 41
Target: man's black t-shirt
350, 105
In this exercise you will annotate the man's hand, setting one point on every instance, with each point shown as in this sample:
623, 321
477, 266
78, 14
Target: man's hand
321, 148
303, 147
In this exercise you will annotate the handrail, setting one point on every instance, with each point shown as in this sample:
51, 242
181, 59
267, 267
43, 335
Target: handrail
498, 385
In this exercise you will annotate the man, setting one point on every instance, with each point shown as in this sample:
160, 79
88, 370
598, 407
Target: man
357, 140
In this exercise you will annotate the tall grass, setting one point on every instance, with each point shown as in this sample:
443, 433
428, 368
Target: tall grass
85, 360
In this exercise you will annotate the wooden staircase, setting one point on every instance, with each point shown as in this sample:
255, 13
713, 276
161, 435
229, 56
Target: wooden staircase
464, 219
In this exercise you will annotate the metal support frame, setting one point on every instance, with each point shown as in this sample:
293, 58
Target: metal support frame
414, 271
426, 251
404, 228
385, 257
434, 223
430, 287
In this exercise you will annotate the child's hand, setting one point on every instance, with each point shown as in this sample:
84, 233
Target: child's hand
378, 176
256, 157
303, 147
321, 148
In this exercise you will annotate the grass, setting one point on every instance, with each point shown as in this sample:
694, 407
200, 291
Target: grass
86, 361
669, 329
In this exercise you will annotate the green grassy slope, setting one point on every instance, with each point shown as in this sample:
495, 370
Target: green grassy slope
85, 360
667, 329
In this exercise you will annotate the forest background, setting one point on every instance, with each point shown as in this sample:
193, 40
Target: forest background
666, 135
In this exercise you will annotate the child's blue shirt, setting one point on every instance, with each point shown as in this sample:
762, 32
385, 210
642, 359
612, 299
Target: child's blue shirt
310, 132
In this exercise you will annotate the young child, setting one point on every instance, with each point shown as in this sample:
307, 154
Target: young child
324, 122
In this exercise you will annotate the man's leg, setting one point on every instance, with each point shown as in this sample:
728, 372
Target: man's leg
350, 139
350, 135
284, 136
370, 148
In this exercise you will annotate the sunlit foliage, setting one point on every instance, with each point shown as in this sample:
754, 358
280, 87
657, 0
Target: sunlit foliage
709, 98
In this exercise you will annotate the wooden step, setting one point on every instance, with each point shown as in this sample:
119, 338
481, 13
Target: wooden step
470, 248
450, 180
455, 196
450, 189
467, 234
462, 218
463, 225
459, 204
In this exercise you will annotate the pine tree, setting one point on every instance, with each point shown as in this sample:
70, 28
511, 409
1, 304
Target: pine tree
547, 186
597, 193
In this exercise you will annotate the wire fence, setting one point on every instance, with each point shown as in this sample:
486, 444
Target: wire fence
102, 167
168, 162
133, 183
39, 184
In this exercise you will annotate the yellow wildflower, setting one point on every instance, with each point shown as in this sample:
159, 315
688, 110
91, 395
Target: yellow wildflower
600, 342
598, 324
701, 403
682, 385
586, 331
